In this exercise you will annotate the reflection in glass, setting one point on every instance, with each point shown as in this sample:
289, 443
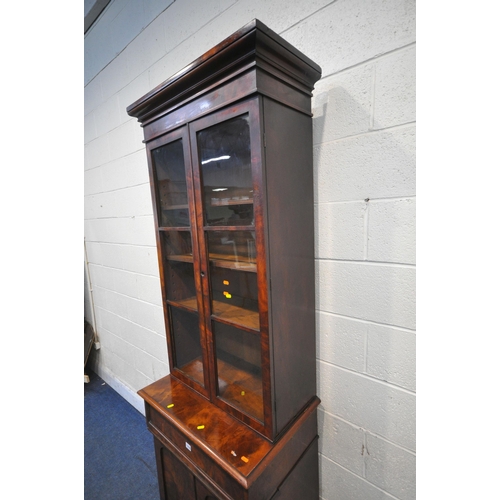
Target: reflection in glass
232, 249
179, 270
225, 157
186, 343
233, 277
168, 163
239, 369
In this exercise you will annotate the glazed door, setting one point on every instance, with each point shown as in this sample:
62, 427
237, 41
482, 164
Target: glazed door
227, 171
169, 160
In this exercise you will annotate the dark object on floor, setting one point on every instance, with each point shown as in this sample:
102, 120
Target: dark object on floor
119, 450
87, 346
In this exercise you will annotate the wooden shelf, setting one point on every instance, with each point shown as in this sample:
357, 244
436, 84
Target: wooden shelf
171, 229
175, 207
230, 201
235, 315
241, 389
242, 264
188, 257
225, 312
189, 304
194, 370
221, 260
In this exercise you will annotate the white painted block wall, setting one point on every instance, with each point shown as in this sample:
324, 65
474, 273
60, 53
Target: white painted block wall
364, 168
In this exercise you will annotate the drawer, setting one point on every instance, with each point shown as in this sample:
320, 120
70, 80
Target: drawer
172, 436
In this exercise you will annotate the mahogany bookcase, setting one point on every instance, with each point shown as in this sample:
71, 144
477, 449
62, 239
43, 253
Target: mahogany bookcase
229, 148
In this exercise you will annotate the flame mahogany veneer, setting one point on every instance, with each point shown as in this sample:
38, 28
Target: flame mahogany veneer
233, 460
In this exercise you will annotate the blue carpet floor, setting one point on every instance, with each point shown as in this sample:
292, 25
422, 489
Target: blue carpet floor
119, 450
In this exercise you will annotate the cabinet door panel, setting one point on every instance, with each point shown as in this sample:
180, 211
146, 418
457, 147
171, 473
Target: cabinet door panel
178, 481
226, 151
203, 493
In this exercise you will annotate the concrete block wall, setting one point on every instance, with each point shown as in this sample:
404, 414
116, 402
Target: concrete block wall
365, 202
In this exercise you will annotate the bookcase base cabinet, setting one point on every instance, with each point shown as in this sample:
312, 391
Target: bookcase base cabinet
207, 462
178, 482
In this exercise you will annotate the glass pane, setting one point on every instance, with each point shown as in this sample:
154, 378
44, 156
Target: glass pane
224, 152
186, 343
239, 369
233, 277
168, 162
179, 270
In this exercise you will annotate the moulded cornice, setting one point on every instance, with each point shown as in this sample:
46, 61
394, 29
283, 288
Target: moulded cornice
254, 45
